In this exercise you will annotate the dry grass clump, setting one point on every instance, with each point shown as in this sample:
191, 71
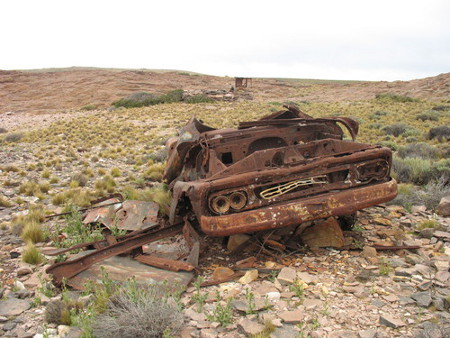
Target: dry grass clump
76, 196
107, 184
419, 150
116, 172
4, 202
138, 312
32, 188
159, 194
32, 232
32, 255
60, 311
155, 171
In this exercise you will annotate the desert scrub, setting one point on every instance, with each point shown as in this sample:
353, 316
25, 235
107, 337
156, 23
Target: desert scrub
4, 202
138, 312
390, 97
32, 255
428, 223
143, 99
441, 133
199, 99
419, 150
13, 137
32, 188
158, 193
414, 170
396, 129
430, 115
107, 184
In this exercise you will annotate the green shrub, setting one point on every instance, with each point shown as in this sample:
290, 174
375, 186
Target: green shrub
199, 99
396, 129
390, 97
421, 150
143, 99
389, 144
13, 137
89, 107
412, 170
441, 108
430, 115
441, 133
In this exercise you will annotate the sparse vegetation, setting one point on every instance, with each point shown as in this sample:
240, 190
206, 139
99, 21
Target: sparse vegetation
390, 97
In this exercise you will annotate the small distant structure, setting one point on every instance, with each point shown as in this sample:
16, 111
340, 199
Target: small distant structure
243, 82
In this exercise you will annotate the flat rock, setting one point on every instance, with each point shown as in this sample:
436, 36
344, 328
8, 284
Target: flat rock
306, 277
423, 299
442, 276
324, 234
390, 321
371, 333
442, 234
24, 270
287, 276
13, 307
311, 304
292, 317
250, 327
287, 331
369, 251
443, 208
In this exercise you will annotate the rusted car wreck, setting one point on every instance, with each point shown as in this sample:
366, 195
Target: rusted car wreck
282, 170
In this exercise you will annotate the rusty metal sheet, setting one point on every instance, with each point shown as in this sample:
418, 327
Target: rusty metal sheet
104, 215
137, 215
122, 268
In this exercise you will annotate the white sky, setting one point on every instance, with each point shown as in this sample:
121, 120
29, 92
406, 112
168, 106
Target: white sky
340, 39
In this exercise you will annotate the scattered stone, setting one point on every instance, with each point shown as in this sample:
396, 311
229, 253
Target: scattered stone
274, 296
246, 263
442, 276
418, 208
442, 234
24, 270
249, 277
221, 273
443, 208
287, 276
324, 234
194, 315
423, 299
382, 221
427, 232
369, 251
311, 304
306, 277
390, 321
13, 307
371, 333
249, 326
292, 317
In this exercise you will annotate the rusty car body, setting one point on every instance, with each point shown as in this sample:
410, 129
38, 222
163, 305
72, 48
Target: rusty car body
284, 169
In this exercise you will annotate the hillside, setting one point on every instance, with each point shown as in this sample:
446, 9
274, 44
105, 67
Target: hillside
58, 90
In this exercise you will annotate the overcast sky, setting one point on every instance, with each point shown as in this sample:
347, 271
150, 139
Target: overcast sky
360, 40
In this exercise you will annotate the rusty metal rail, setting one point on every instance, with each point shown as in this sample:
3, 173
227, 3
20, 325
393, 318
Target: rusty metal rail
71, 268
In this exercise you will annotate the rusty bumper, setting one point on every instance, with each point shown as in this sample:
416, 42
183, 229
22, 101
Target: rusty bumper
298, 211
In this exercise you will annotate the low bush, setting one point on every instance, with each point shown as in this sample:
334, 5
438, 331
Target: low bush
32, 232
389, 144
138, 312
4, 202
199, 99
441, 133
390, 97
3, 130
412, 170
441, 108
13, 137
143, 99
421, 150
396, 129
430, 115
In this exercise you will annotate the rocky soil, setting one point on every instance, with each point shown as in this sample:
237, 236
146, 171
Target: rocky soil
320, 292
